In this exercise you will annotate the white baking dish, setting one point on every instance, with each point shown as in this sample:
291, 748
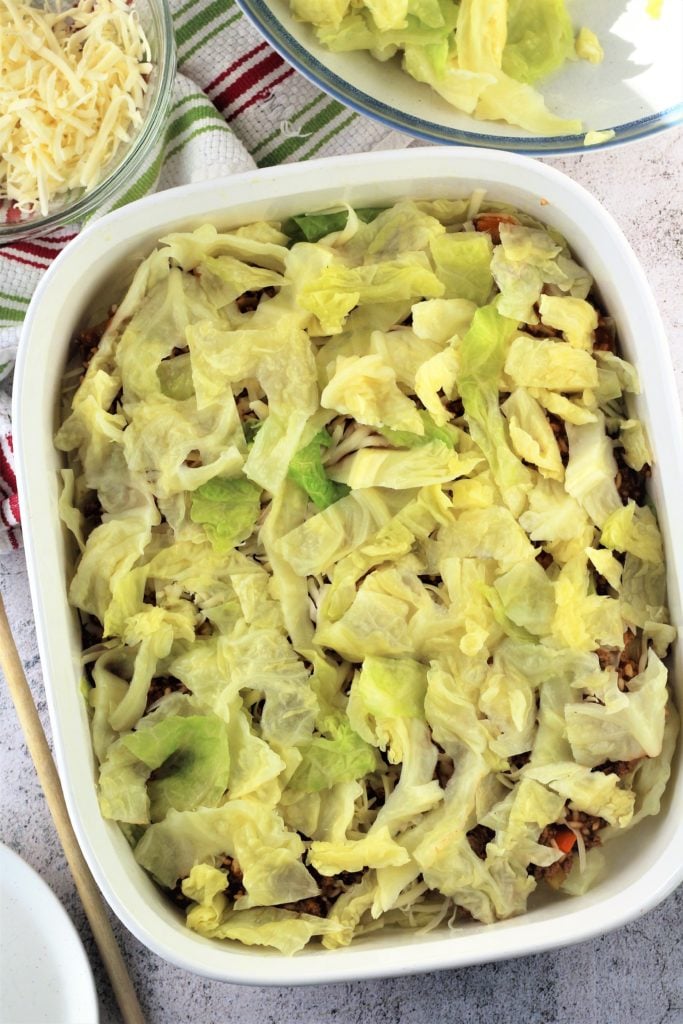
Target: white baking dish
645, 864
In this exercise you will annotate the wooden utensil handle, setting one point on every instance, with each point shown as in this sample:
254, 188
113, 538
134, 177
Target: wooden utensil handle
90, 895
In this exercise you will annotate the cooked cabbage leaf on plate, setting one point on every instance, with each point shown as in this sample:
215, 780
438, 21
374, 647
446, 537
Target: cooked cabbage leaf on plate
372, 591
485, 58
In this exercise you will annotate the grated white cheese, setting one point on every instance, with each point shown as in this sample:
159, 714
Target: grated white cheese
72, 84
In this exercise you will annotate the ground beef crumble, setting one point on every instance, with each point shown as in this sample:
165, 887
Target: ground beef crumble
544, 559
249, 301
161, 687
605, 335
87, 341
445, 766
479, 837
630, 483
560, 431
518, 761
626, 661
587, 824
331, 888
620, 768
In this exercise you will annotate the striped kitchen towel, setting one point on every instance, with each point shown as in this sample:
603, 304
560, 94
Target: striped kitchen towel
236, 103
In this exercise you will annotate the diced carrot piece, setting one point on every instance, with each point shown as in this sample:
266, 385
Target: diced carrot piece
565, 840
491, 222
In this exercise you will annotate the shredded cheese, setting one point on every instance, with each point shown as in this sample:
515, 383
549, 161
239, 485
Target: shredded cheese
72, 84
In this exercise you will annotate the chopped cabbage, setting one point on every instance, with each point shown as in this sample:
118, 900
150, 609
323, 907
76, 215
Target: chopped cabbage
376, 605
481, 56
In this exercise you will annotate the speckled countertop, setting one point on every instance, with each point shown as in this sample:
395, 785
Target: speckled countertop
632, 976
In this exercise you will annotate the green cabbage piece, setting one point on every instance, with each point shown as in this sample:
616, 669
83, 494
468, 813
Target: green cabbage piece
591, 792
636, 448
429, 63
440, 319
404, 230
269, 855
306, 469
584, 620
624, 726
431, 463
591, 471
366, 388
553, 515
338, 289
527, 259
531, 435
175, 377
576, 318
311, 227
463, 262
225, 278
375, 850
340, 758
633, 528
388, 688
227, 509
210, 915
393, 540
314, 546
547, 363
539, 39
325, 12
190, 759
643, 591
482, 356
446, 434
153, 631
528, 597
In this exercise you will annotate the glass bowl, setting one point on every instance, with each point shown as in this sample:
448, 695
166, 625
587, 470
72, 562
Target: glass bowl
131, 158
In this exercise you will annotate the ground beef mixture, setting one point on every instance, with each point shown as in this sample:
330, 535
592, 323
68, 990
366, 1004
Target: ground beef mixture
626, 661
331, 888
445, 766
544, 559
556, 835
87, 341
517, 761
605, 335
479, 837
560, 431
631, 483
454, 406
541, 330
620, 768
161, 687
248, 301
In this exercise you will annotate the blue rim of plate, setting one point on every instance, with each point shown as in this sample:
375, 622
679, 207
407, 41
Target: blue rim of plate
272, 29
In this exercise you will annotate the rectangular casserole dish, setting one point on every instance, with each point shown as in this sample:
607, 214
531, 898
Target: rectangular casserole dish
645, 865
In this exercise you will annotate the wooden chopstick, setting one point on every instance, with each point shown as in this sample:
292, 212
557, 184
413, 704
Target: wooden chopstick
90, 895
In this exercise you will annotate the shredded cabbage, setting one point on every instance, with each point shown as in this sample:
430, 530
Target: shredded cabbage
375, 609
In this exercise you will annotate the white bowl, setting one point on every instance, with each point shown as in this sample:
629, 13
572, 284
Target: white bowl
645, 864
636, 91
